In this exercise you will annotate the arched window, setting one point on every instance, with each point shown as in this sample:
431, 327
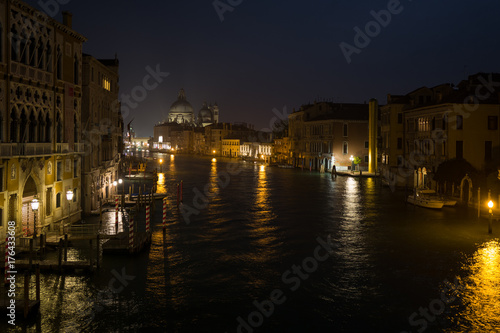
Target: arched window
48, 57
59, 128
1, 42
23, 49
32, 127
59, 63
22, 127
48, 128
75, 133
32, 51
14, 44
76, 67
41, 127
14, 125
1, 132
40, 55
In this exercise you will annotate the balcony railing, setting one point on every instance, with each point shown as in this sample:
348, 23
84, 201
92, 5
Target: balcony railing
25, 149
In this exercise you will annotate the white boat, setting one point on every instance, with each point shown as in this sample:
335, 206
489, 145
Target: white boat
433, 195
425, 201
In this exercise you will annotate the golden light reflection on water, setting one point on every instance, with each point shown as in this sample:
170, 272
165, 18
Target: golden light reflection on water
480, 296
263, 231
351, 200
160, 184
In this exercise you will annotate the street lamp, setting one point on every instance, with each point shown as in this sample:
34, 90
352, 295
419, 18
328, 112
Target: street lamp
34, 206
352, 163
490, 205
161, 166
69, 197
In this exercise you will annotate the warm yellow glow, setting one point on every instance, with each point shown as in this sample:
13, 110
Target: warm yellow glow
213, 151
34, 204
262, 156
120, 181
214, 159
262, 168
161, 161
490, 204
173, 149
479, 292
160, 184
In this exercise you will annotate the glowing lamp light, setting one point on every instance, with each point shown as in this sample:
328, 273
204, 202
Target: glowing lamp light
115, 183
35, 204
120, 181
351, 158
213, 151
69, 195
161, 161
490, 204
214, 160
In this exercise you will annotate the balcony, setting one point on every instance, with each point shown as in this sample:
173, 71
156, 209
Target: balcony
25, 149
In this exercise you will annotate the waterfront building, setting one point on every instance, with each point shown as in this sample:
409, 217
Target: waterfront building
428, 126
102, 131
40, 119
324, 134
181, 131
230, 147
282, 151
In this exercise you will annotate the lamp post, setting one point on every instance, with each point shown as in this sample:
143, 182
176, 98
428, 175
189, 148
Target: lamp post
490, 205
69, 197
352, 163
34, 206
161, 167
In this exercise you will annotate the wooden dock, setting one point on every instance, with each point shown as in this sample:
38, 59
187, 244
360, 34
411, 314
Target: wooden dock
120, 245
53, 265
33, 306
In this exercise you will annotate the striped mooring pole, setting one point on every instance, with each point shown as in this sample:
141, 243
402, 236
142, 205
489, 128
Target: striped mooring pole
164, 213
131, 233
6, 275
147, 218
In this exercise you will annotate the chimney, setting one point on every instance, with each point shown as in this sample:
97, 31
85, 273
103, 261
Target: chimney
67, 19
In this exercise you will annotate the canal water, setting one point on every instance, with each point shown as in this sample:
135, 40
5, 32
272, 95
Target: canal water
255, 248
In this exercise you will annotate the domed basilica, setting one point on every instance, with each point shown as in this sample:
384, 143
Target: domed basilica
181, 112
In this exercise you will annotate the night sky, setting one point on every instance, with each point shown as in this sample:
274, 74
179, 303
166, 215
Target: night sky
276, 54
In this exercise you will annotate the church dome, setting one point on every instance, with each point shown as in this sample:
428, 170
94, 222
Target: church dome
205, 115
181, 105
181, 111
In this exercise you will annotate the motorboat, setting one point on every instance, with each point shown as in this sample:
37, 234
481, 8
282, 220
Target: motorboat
422, 200
432, 194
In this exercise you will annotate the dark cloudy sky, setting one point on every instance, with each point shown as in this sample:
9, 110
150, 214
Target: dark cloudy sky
271, 54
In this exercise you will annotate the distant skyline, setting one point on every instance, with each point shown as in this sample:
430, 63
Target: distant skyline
267, 55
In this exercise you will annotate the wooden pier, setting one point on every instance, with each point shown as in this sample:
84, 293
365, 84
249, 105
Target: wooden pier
120, 245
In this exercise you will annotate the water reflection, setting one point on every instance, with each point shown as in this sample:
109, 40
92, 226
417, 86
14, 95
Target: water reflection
480, 297
263, 230
160, 184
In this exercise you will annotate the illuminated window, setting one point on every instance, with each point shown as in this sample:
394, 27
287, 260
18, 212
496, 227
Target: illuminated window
106, 84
